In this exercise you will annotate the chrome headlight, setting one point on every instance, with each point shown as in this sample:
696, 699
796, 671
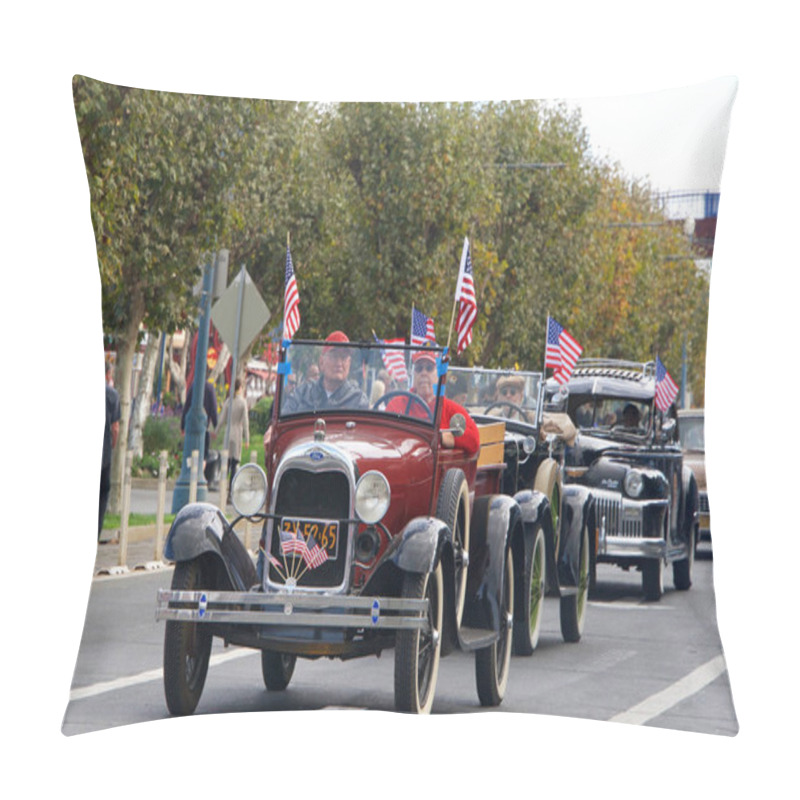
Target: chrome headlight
634, 483
372, 497
249, 490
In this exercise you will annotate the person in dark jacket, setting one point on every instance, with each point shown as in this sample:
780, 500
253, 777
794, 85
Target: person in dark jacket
210, 407
110, 436
333, 389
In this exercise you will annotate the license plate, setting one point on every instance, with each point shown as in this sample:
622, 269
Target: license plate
322, 532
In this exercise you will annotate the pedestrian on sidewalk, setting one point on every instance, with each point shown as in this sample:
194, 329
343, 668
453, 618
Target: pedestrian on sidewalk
110, 435
240, 428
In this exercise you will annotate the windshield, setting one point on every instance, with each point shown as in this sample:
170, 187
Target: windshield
509, 394
611, 414
326, 377
691, 430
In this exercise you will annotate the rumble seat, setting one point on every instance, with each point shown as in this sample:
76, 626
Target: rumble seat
492, 436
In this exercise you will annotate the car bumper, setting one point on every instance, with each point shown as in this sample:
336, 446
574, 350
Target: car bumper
629, 528
293, 609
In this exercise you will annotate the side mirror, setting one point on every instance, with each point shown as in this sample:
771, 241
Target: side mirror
458, 424
668, 430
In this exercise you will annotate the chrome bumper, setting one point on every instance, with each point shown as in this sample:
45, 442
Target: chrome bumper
293, 609
629, 528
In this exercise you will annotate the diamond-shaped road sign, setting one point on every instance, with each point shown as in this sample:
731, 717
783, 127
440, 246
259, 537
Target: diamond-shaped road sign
255, 314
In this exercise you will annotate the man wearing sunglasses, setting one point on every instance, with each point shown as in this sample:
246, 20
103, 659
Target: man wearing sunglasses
333, 389
425, 380
510, 397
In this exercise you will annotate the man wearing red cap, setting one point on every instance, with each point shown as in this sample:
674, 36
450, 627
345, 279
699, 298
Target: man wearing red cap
333, 389
425, 379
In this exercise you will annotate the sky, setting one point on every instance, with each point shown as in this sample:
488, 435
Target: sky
673, 138
52, 403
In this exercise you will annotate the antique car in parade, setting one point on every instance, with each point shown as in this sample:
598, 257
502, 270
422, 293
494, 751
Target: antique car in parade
691, 430
645, 499
378, 531
533, 446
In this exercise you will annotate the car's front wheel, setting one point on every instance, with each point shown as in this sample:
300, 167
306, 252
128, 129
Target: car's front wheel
187, 647
653, 579
682, 570
573, 606
528, 621
277, 669
417, 652
492, 663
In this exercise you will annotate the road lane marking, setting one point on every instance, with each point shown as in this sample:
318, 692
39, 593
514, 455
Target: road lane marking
151, 675
662, 701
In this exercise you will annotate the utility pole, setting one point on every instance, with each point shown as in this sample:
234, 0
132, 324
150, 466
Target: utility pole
196, 418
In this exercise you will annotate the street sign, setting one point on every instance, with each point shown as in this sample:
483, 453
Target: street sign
254, 314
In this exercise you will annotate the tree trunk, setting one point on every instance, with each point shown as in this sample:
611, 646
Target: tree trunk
126, 348
144, 396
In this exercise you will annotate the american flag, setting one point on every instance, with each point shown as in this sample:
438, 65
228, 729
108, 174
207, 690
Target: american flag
291, 301
562, 351
421, 328
465, 297
393, 360
315, 556
666, 389
293, 543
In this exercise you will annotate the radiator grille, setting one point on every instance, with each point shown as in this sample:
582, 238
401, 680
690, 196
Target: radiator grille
610, 507
313, 495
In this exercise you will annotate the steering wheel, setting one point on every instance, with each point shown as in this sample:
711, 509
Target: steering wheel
523, 415
411, 398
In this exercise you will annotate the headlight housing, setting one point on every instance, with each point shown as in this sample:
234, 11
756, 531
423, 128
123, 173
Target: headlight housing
249, 490
372, 497
634, 483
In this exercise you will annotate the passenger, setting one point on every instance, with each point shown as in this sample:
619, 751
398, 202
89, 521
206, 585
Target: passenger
333, 389
425, 379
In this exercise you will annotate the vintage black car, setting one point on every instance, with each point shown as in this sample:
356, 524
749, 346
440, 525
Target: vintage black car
533, 445
644, 499
374, 535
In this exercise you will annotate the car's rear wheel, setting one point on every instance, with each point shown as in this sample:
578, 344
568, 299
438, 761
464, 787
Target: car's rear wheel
492, 663
546, 482
187, 647
573, 606
417, 652
528, 622
452, 508
277, 669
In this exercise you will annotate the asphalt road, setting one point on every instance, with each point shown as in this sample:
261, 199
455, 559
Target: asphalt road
654, 664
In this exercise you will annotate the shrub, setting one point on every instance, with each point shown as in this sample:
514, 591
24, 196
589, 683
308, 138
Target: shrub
260, 415
161, 433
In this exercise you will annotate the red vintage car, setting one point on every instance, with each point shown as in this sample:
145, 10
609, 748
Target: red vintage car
383, 525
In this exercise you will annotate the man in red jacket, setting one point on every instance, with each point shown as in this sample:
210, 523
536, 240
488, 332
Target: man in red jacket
425, 380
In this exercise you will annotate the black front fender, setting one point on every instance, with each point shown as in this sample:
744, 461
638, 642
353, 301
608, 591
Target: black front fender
200, 529
575, 517
494, 519
420, 545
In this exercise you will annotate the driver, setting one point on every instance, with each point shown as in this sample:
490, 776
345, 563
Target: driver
510, 393
333, 389
425, 378
631, 416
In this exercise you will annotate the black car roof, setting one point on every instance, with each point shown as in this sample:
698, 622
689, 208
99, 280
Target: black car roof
615, 378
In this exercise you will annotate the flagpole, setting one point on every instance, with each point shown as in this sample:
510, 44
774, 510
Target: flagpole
546, 334
455, 299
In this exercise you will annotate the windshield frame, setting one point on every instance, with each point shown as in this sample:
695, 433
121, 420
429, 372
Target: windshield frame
615, 404
298, 355
477, 409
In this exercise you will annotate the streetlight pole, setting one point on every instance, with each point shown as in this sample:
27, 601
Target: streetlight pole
196, 418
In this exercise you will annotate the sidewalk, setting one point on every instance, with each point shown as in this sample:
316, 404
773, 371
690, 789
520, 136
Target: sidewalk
142, 553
